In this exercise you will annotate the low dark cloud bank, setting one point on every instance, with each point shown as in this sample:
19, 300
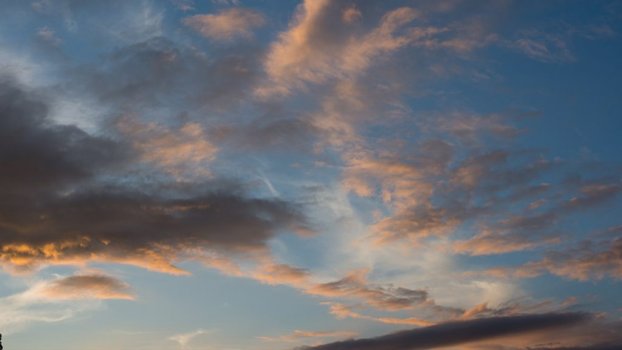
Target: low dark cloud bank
454, 333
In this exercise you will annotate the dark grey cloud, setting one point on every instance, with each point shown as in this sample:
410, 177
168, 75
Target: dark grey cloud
67, 199
117, 223
381, 297
456, 333
606, 346
36, 154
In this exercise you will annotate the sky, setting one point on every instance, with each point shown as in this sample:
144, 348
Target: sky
310, 174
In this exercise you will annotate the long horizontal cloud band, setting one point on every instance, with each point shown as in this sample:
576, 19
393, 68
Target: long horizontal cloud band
455, 333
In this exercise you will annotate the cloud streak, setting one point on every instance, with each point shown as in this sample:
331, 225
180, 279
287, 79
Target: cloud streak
91, 286
456, 333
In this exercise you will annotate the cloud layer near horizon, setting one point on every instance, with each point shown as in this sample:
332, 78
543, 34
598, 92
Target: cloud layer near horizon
458, 333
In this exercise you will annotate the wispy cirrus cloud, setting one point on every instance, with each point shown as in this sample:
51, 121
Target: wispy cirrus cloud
59, 299
183, 339
582, 261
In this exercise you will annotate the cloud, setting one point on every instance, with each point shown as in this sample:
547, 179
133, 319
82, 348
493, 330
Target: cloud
59, 299
226, 25
183, 339
185, 151
587, 260
300, 335
142, 230
37, 156
435, 314
490, 242
521, 232
318, 47
160, 79
17, 313
184, 5
589, 347
85, 211
457, 333
356, 285
268, 132
91, 286
271, 273
48, 36
342, 311
329, 41
606, 346
351, 14
548, 50
471, 128
436, 189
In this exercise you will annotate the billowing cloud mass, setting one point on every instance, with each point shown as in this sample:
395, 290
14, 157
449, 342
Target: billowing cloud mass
78, 216
233, 174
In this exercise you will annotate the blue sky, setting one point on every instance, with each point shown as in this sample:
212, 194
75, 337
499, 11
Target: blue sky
237, 174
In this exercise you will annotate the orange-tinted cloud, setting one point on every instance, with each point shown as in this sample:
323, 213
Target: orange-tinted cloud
227, 24
86, 286
61, 206
342, 311
587, 260
185, 151
272, 273
382, 297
